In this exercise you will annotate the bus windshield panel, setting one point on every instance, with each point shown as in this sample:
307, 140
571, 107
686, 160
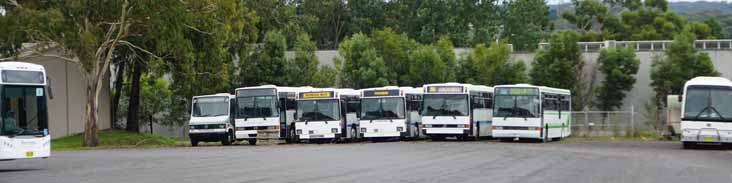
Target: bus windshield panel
445, 105
705, 103
24, 111
318, 110
210, 107
517, 102
382, 108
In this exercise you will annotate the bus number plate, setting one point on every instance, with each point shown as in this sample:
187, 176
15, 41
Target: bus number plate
29, 154
708, 139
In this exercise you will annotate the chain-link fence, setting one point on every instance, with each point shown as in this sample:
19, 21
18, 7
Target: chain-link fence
607, 123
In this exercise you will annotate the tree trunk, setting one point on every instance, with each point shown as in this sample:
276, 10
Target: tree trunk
117, 91
133, 124
91, 138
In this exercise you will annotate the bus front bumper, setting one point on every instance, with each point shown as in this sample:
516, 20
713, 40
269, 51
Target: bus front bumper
446, 131
207, 135
530, 134
376, 130
706, 136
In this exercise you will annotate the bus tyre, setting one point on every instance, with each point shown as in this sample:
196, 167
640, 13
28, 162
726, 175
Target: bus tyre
688, 145
252, 141
194, 142
353, 135
546, 134
227, 139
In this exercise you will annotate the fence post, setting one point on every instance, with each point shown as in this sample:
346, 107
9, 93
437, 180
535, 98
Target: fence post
587, 122
632, 118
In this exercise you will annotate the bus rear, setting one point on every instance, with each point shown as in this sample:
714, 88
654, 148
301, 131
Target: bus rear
707, 111
23, 105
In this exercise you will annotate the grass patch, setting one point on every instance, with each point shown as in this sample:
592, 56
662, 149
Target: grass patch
113, 139
640, 135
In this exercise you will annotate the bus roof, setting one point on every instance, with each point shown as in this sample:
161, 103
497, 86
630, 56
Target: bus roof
216, 95
709, 81
24, 66
278, 88
392, 91
327, 93
542, 88
469, 87
21, 66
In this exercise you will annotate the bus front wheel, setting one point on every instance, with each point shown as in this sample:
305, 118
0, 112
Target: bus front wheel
194, 142
688, 145
252, 141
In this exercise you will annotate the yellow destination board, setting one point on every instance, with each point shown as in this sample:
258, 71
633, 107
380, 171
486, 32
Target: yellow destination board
316, 95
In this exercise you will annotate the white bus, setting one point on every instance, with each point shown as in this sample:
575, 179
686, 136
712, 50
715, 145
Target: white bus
532, 112
385, 112
706, 115
327, 115
266, 109
456, 110
212, 119
23, 105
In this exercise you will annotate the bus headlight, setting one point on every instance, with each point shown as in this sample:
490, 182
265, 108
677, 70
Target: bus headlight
400, 129
497, 127
334, 130
363, 130
222, 126
298, 132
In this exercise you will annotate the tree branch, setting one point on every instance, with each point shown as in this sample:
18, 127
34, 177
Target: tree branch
198, 30
15, 3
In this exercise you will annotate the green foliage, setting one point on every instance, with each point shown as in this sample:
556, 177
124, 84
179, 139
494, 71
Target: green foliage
560, 65
525, 23
680, 63
394, 49
155, 95
362, 66
619, 66
445, 48
304, 67
715, 28
586, 14
492, 66
700, 29
426, 67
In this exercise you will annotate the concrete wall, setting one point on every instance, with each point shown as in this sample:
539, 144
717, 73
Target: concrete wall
66, 109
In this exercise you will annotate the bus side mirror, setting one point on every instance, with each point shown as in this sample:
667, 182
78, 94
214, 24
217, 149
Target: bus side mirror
49, 88
681, 98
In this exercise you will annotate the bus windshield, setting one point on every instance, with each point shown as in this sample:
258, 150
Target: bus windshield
382, 108
708, 103
526, 106
445, 105
24, 111
257, 106
318, 110
210, 107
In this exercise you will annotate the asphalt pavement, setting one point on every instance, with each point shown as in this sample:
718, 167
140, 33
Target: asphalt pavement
422, 161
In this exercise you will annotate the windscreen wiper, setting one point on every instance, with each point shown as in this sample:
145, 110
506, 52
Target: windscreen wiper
719, 114
702, 112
